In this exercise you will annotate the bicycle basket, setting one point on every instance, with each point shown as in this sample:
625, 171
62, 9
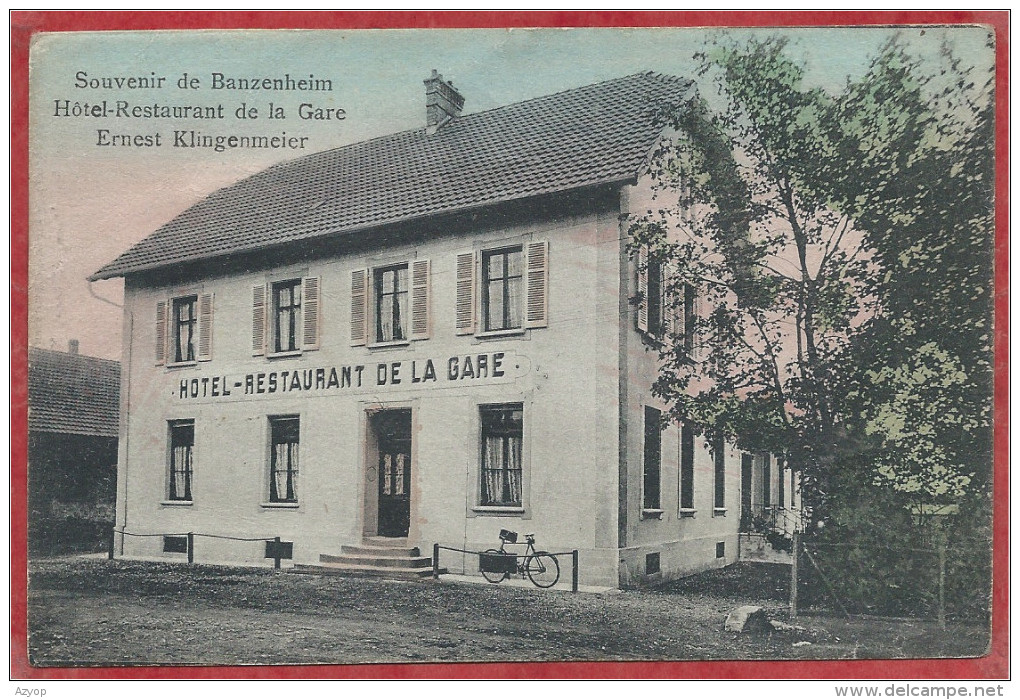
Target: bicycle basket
494, 563
508, 536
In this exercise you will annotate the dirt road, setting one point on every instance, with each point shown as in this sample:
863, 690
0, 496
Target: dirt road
87, 612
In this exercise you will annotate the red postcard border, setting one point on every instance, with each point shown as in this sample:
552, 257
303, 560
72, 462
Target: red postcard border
25, 24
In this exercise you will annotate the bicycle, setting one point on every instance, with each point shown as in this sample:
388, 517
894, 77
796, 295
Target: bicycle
498, 564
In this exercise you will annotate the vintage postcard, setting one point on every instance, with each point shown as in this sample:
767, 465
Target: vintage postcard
536, 344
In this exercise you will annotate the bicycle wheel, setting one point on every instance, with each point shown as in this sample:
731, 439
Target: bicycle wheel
543, 569
494, 576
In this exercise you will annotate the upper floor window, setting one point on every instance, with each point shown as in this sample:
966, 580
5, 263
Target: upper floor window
286, 315
184, 329
185, 322
391, 304
509, 292
182, 446
391, 312
664, 309
502, 287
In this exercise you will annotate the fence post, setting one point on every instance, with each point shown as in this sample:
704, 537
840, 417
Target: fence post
573, 571
191, 547
113, 543
435, 561
942, 579
276, 552
793, 575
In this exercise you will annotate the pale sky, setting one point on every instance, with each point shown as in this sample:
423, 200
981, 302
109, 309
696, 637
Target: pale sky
89, 203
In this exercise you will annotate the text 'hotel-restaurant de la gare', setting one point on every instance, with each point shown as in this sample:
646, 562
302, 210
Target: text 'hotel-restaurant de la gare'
424, 338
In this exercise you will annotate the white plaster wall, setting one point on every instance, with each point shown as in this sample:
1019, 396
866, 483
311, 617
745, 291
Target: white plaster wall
686, 544
566, 375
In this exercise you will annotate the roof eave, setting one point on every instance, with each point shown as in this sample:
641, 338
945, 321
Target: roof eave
113, 271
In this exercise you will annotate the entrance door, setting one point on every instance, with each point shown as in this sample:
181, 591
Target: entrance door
393, 431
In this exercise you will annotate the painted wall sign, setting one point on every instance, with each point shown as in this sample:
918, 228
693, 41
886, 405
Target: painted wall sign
456, 370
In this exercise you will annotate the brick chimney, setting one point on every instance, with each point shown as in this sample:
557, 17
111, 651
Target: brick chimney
72, 347
442, 102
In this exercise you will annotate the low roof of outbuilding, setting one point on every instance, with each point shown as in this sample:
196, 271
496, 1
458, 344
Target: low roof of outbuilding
71, 393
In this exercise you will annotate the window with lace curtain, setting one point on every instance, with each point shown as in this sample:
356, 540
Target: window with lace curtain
502, 444
182, 447
283, 472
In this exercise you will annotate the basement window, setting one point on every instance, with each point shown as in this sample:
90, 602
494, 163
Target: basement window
175, 544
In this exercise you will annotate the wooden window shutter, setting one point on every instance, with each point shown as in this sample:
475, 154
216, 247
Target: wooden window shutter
310, 316
420, 274
642, 288
161, 328
678, 313
205, 326
465, 293
259, 294
668, 304
359, 306
538, 285
697, 315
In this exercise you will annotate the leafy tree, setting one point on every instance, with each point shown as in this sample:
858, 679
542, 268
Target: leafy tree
782, 272
840, 245
929, 222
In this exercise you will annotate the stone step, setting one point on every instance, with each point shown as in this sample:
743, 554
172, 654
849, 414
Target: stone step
380, 541
376, 550
333, 569
374, 558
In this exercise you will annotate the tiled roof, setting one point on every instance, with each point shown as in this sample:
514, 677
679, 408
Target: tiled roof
582, 137
72, 393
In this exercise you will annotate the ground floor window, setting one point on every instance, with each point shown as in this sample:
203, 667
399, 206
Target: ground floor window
283, 474
719, 455
686, 468
182, 447
653, 459
502, 464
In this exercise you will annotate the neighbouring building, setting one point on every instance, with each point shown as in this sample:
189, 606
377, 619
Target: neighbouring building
422, 338
73, 413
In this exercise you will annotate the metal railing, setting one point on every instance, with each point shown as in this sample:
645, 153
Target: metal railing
276, 548
574, 561
777, 519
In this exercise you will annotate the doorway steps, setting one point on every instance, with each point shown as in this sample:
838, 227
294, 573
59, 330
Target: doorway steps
376, 557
